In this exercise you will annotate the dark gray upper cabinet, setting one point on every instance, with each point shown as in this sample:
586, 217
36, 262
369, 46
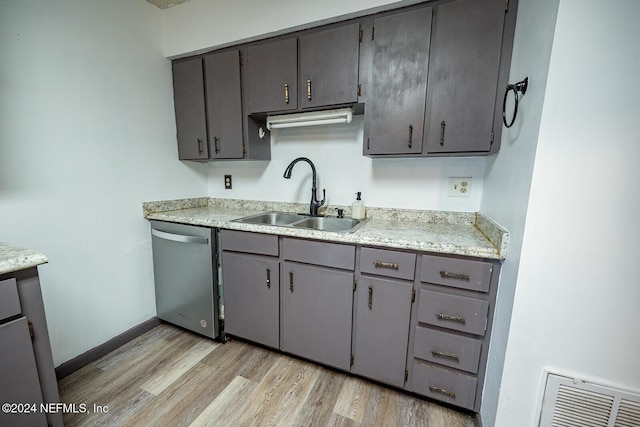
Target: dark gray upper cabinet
328, 62
463, 75
316, 69
399, 83
189, 103
272, 76
224, 104
208, 106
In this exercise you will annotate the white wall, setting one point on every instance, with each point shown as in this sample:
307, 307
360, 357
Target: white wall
508, 175
336, 152
87, 134
576, 302
199, 25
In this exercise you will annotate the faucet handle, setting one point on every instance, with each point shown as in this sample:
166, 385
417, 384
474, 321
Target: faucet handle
324, 196
340, 212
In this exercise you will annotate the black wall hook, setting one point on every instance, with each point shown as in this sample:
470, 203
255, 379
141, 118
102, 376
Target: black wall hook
517, 88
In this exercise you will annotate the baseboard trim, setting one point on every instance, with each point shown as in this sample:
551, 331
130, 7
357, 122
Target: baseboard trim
95, 353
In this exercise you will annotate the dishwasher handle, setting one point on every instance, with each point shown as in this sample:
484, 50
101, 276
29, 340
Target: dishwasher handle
180, 238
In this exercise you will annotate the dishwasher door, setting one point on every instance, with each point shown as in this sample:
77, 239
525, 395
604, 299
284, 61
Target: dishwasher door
185, 272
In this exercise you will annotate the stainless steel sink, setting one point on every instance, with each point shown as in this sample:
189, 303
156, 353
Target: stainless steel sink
326, 223
272, 218
288, 219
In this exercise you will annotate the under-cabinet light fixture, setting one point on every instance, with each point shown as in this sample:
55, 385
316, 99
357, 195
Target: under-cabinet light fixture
342, 115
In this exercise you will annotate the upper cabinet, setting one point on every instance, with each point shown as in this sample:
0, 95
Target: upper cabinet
272, 76
189, 104
463, 76
328, 63
208, 106
316, 69
399, 83
435, 79
429, 78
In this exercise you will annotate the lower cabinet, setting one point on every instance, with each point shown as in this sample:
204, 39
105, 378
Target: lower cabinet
251, 296
411, 320
315, 309
381, 329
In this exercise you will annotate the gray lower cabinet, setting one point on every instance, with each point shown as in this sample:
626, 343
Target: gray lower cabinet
315, 309
251, 286
450, 329
412, 320
251, 297
26, 363
381, 329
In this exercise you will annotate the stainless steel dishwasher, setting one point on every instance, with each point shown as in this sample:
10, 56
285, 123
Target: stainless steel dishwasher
186, 277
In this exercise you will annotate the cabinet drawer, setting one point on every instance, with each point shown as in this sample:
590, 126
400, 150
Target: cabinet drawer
319, 253
453, 312
447, 349
448, 386
9, 300
458, 273
243, 241
388, 263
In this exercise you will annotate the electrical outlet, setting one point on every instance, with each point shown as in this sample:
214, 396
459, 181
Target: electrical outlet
227, 182
459, 187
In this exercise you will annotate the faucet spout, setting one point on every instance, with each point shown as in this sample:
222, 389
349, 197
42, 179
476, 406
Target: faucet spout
315, 203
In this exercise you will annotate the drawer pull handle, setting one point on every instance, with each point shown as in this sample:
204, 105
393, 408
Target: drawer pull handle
291, 281
458, 319
450, 275
370, 297
438, 353
309, 90
382, 264
447, 393
286, 93
268, 278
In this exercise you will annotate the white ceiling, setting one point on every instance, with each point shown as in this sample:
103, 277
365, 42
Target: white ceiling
164, 4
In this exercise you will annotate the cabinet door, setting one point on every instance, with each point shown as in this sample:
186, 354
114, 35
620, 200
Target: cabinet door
316, 307
272, 76
463, 75
381, 331
251, 291
188, 95
224, 104
19, 375
399, 87
329, 66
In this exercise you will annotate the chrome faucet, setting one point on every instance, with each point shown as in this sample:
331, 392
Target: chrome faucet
315, 204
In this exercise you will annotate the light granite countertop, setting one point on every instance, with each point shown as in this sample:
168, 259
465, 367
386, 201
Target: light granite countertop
456, 233
14, 258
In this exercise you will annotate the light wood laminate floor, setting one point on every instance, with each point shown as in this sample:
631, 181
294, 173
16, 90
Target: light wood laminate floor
170, 377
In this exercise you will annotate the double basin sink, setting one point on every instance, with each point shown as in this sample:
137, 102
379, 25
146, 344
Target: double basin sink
289, 219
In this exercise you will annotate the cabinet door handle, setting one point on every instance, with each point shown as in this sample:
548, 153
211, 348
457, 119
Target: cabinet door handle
442, 126
449, 275
457, 319
291, 281
199, 146
309, 89
286, 93
410, 135
438, 353
216, 143
382, 264
268, 278
370, 297
435, 389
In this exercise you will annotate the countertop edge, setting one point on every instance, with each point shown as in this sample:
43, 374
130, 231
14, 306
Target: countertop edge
16, 258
